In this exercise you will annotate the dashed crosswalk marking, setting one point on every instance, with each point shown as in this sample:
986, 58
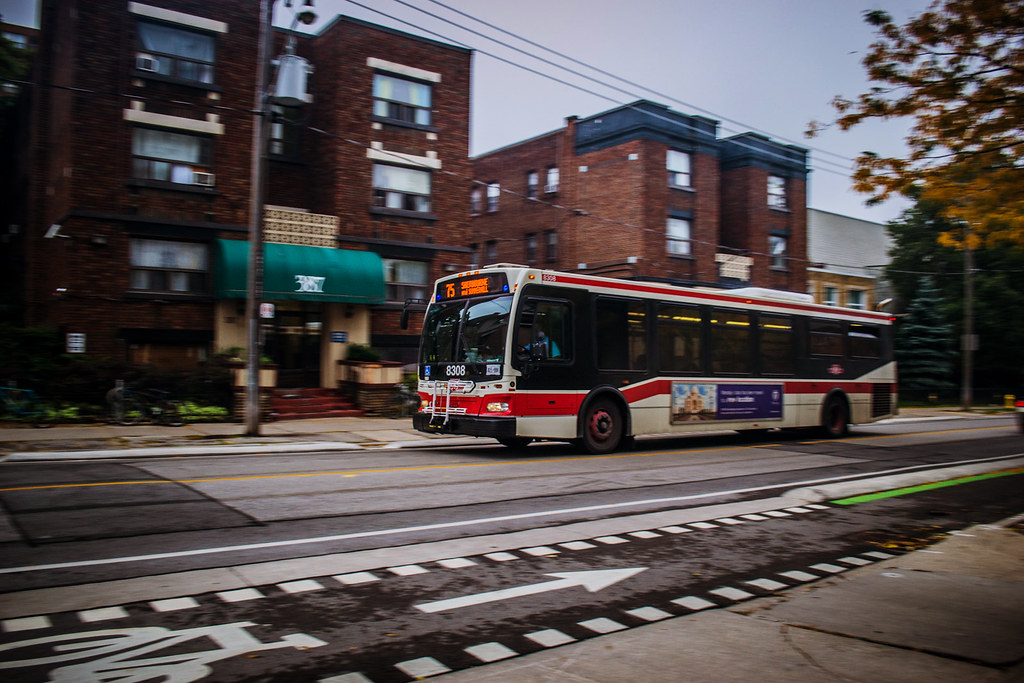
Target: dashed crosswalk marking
856, 561
611, 540
501, 557
754, 517
648, 613
577, 545
644, 534
102, 614
491, 652
673, 529
777, 513
798, 510
694, 603
797, 575
703, 525
541, 550
456, 563
174, 604
422, 667
355, 677
240, 595
408, 570
602, 625
550, 637
879, 555
25, 624
730, 593
767, 584
356, 578
304, 586
729, 521
829, 568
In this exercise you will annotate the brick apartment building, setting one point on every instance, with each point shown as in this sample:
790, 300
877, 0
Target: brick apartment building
645, 192
139, 157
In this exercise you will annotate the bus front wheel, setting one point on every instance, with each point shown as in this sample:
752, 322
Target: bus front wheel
602, 427
835, 417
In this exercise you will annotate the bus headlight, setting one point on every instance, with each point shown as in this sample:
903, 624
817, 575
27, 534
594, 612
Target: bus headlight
497, 407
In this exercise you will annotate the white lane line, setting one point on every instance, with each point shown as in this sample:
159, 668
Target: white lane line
25, 624
550, 637
478, 521
173, 604
423, 667
491, 652
102, 614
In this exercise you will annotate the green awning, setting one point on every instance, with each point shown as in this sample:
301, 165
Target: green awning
292, 272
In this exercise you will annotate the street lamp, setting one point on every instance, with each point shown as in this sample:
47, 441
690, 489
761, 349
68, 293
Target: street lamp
290, 88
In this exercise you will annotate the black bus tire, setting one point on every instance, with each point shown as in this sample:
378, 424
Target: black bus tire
835, 417
602, 427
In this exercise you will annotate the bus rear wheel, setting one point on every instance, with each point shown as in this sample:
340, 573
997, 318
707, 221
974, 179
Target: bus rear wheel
835, 417
602, 427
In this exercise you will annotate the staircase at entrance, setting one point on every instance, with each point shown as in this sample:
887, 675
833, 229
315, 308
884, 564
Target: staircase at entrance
299, 404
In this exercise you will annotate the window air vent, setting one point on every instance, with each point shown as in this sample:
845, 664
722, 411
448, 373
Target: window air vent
146, 63
199, 178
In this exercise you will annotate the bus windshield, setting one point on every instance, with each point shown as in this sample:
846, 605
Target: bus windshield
469, 331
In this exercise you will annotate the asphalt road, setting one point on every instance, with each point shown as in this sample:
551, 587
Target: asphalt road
387, 563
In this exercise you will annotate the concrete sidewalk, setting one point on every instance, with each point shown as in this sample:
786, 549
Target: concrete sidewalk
953, 612
295, 436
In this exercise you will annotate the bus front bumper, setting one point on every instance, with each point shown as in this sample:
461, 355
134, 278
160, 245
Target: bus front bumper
494, 427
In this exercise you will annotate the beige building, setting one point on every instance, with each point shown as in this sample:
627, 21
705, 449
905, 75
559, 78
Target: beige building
846, 257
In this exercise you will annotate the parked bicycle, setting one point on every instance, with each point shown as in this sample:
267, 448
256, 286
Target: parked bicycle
23, 405
131, 406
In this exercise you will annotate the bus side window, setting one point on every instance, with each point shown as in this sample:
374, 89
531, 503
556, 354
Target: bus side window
865, 341
826, 337
679, 337
731, 339
544, 331
621, 337
777, 345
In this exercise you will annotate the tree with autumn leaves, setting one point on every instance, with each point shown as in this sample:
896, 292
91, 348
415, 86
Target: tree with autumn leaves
958, 71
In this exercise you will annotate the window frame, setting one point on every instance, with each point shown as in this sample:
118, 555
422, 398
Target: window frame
383, 194
175, 60
551, 180
779, 259
778, 192
149, 162
532, 180
679, 178
493, 196
399, 290
678, 246
198, 278
407, 111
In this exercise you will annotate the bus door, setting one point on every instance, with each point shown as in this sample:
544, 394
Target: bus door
544, 353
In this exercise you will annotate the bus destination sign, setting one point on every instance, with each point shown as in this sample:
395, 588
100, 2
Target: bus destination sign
471, 285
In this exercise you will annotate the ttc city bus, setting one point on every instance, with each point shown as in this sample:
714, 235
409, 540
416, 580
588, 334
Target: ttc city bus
521, 354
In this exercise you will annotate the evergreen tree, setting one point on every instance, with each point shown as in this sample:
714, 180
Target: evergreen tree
924, 342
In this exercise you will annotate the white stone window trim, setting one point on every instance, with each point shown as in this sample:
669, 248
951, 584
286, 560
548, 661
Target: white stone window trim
403, 70
174, 17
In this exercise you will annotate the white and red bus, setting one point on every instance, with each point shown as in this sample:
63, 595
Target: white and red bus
521, 354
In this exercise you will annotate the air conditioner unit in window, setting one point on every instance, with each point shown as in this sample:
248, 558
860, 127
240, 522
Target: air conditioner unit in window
550, 189
199, 178
146, 63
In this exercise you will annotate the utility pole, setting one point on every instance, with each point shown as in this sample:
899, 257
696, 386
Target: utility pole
969, 341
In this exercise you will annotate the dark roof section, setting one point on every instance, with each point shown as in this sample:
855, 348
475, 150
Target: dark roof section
647, 120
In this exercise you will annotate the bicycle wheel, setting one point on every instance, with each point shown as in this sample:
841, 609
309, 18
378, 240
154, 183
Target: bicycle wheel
127, 410
172, 413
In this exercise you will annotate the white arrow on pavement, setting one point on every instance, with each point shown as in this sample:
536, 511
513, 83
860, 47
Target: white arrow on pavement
593, 581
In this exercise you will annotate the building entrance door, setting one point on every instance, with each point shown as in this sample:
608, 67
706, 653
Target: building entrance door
293, 341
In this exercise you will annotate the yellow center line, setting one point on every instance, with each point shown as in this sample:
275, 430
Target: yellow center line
421, 468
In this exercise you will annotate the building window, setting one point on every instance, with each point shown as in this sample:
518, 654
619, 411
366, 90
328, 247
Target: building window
678, 164
171, 157
476, 200
491, 252
164, 266
406, 279
531, 247
493, 193
284, 131
401, 100
777, 247
551, 183
855, 299
401, 188
830, 295
550, 245
175, 52
531, 185
777, 192
677, 237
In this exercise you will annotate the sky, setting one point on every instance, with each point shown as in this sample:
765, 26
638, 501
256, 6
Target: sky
769, 66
